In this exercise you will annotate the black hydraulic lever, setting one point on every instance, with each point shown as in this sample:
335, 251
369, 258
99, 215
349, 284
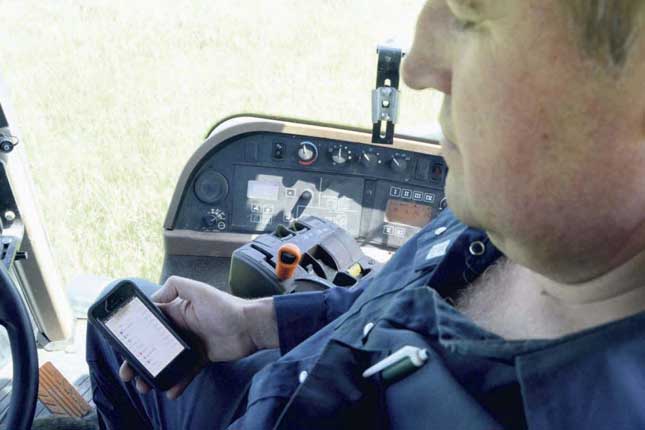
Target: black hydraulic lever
385, 98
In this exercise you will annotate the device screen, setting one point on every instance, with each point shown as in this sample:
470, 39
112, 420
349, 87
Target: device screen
144, 335
408, 213
262, 190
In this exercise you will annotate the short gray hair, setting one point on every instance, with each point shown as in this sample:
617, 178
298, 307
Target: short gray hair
607, 28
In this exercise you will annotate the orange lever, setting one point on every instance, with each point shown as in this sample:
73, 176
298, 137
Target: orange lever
289, 256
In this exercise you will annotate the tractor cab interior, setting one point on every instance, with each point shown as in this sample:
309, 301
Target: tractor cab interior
254, 191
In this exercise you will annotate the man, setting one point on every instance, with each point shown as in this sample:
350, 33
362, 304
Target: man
536, 323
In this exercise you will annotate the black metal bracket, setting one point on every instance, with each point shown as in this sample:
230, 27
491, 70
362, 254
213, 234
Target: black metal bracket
385, 98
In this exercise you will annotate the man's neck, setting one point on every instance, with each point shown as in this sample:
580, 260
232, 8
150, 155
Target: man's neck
621, 281
517, 303
614, 295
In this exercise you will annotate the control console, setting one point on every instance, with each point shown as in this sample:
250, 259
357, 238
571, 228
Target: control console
253, 182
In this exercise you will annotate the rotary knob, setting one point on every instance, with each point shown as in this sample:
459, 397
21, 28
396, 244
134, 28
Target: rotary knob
399, 164
339, 154
307, 153
368, 159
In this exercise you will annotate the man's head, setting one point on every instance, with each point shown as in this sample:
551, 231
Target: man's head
606, 29
545, 105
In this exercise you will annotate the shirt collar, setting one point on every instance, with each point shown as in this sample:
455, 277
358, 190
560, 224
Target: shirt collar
453, 253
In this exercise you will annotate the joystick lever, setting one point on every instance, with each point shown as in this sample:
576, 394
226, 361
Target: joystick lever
289, 256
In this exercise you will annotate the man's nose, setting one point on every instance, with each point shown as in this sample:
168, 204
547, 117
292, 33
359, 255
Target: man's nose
428, 64
420, 72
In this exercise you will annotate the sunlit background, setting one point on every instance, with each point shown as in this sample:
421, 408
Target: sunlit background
112, 98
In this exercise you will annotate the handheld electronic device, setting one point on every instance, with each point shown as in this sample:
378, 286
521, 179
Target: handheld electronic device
143, 335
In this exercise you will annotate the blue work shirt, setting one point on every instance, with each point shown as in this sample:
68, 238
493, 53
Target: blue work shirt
473, 379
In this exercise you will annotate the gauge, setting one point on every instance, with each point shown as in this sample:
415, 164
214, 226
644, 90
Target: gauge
307, 153
211, 186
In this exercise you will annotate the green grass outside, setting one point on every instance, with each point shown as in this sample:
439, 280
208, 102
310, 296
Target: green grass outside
112, 98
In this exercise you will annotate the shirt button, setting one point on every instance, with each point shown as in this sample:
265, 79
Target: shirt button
303, 376
440, 231
477, 248
368, 328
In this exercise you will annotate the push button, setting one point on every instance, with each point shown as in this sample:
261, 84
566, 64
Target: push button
441, 230
367, 329
287, 258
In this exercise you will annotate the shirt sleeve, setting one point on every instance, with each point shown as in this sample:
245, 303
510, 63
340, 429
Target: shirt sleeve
300, 315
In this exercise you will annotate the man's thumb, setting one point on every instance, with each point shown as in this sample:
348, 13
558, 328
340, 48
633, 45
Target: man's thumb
174, 287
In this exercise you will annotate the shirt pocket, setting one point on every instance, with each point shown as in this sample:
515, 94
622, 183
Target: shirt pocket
430, 398
335, 395
280, 379
269, 393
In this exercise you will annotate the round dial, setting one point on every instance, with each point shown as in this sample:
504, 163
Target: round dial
339, 154
368, 159
211, 186
399, 164
307, 153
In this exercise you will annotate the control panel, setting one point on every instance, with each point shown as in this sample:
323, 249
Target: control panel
255, 181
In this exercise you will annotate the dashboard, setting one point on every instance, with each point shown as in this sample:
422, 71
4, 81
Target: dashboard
253, 174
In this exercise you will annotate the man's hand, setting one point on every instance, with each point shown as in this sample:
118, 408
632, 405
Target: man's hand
225, 327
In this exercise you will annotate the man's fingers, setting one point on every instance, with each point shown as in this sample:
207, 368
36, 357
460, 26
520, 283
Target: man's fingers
141, 385
176, 390
174, 287
125, 372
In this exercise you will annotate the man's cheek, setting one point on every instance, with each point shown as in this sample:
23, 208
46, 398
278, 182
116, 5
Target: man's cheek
505, 177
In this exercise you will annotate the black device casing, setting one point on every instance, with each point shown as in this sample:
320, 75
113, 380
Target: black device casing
120, 294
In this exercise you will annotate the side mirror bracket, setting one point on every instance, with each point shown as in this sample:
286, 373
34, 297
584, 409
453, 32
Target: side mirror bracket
386, 95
